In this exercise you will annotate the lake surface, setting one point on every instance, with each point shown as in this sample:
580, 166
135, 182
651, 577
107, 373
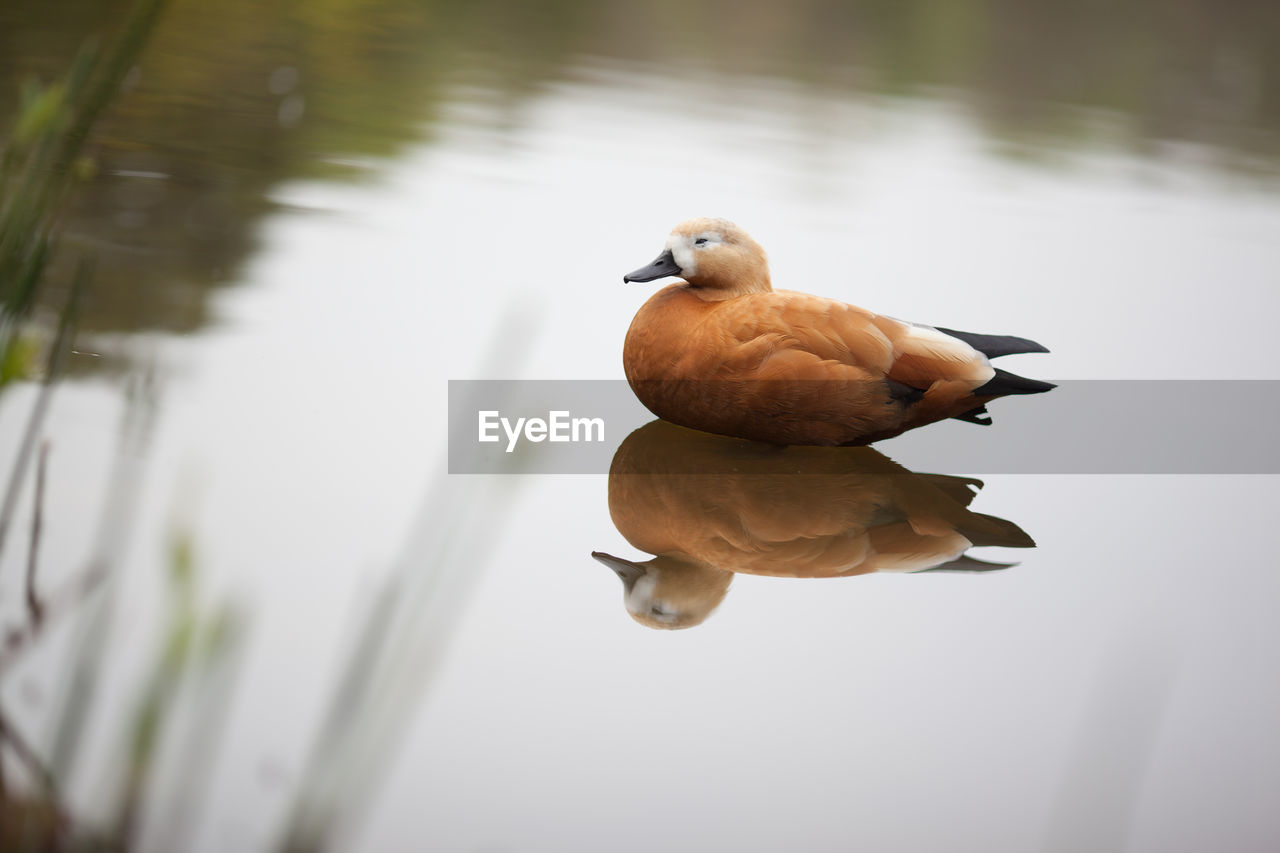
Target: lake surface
309, 220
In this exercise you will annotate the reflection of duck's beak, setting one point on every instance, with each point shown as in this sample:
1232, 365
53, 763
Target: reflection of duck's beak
627, 570
664, 265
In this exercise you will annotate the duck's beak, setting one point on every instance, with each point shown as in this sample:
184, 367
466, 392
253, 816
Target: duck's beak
665, 265
628, 571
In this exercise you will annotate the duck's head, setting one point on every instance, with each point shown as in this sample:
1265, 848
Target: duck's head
712, 254
668, 591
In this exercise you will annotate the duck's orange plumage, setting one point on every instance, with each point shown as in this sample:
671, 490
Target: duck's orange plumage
722, 351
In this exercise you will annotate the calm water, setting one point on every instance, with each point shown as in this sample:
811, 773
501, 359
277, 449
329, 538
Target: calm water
308, 221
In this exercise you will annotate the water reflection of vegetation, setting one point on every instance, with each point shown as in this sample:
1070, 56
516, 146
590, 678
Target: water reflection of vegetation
708, 507
236, 97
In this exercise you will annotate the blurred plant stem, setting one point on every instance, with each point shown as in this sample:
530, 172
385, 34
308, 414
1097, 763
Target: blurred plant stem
35, 607
403, 638
79, 679
193, 647
35, 420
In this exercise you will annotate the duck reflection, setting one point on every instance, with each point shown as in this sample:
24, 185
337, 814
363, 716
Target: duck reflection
709, 506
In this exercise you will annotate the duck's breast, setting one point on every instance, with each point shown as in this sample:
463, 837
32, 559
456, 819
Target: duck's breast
660, 333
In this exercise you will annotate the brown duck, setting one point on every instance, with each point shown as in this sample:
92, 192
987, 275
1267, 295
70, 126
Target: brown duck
724, 352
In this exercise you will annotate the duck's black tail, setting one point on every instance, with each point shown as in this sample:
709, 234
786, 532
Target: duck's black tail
994, 346
1005, 383
1002, 384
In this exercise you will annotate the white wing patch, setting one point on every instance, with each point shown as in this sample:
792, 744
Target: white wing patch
928, 340
944, 550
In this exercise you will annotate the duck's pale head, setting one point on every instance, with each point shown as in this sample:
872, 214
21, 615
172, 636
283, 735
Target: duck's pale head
712, 254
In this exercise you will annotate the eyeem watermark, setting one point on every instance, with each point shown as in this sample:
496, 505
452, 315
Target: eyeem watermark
559, 426
1109, 426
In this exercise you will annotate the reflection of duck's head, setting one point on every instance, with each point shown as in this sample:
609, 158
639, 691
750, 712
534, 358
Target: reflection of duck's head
711, 253
668, 592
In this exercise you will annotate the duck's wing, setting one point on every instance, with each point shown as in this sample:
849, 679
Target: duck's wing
782, 335
796, 335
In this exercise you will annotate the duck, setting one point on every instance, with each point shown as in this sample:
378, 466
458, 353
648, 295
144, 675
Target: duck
709, 507
721, 351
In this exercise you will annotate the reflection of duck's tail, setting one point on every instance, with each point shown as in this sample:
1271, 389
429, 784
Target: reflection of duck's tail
959, 489
988, 530
964, 563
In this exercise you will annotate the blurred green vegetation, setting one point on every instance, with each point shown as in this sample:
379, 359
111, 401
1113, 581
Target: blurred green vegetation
233, 98
41, 165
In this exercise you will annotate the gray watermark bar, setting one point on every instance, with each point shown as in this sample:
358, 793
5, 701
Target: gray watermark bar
1080, 427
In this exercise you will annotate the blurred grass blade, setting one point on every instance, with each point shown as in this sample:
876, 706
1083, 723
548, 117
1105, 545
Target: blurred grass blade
403, 639
35, 420
119, 505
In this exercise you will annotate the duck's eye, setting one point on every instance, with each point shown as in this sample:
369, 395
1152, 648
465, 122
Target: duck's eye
700, 241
